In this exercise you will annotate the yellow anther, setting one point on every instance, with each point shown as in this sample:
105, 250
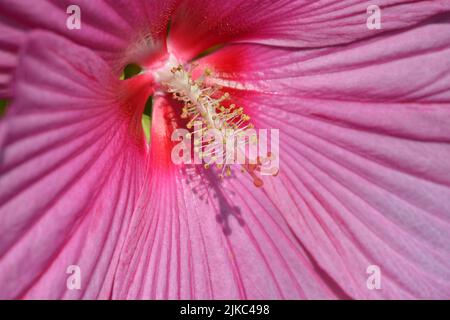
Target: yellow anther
208, 72
258, 182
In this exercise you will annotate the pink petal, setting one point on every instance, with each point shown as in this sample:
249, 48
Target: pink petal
120, 31
197, 238
373, 70
8, 60
202, 24
364, 146
72, 169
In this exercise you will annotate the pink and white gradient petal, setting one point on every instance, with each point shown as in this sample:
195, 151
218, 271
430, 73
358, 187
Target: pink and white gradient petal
194, 237
121, 32
72, 168
198, 25
365, 138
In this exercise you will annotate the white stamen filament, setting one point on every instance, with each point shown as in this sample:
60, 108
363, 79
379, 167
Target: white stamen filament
201, 106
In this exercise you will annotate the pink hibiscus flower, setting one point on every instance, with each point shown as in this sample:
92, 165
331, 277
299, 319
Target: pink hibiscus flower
364, 124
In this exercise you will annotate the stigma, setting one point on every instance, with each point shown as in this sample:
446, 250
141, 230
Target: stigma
207, 108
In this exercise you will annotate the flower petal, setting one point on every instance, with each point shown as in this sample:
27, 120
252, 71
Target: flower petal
120, 31
197, 238
72, 168
372, 70
365, 138
201, 24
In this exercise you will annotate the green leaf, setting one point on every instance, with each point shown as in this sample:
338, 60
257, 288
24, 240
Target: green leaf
3, 104
146, 125
130, 71
147, 118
